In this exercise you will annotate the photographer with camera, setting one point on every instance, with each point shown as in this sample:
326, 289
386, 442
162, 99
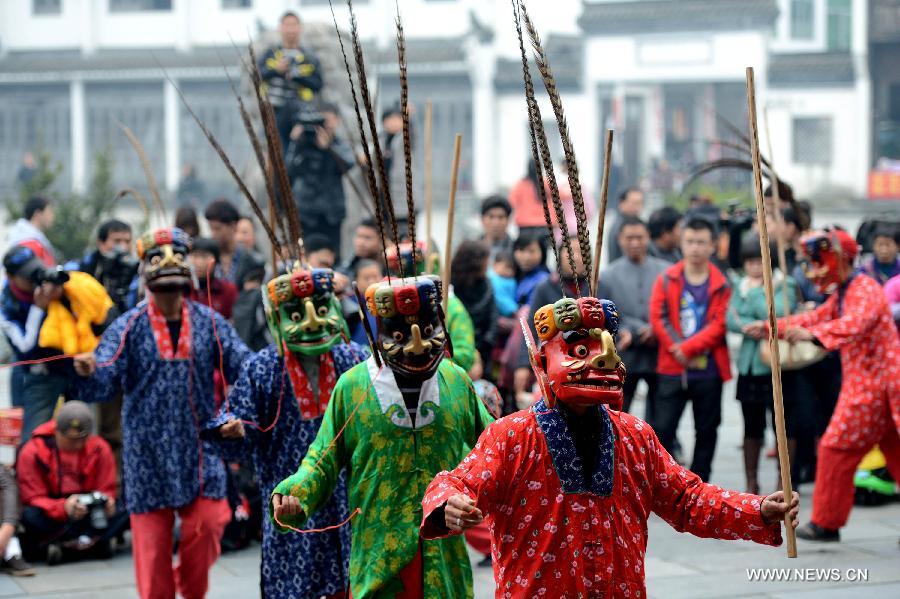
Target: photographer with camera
113, 264
29, 288
67, 482
317, 160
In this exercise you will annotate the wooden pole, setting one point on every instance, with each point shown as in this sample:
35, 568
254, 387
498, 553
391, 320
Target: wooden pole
779, 218
604, 190
428, 174
780, 433
448, 246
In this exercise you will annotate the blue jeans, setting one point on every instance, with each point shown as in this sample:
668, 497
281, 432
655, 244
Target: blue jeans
40, 391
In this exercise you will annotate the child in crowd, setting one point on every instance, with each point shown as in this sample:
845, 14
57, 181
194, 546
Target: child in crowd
754, 385
484, 389
530, 255
503, 279
366, 272
204, 256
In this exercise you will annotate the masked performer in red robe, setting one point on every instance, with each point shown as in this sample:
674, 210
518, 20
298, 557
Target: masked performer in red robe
855, 320
567, 485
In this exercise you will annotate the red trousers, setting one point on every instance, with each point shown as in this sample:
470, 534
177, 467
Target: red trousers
202, 524
833, 493
479, 538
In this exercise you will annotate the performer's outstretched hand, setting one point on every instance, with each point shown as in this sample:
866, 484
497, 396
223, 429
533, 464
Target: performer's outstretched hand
233, 429
85, 364
286, 505
461, 514
774, 507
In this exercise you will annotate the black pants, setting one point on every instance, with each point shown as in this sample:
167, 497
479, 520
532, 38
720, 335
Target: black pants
631, 382
41, 531
706, 397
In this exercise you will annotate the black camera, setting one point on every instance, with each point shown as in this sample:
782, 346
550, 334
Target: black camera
53, 275
116, 270
95, 502
310, 119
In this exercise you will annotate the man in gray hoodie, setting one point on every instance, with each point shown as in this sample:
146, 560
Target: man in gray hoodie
38, 217
627, 281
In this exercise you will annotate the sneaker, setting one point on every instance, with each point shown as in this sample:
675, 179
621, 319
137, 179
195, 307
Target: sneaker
17, 566
54, 554
813, 532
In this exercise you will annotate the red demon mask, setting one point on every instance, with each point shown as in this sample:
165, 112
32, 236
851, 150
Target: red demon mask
576, 362
829, 256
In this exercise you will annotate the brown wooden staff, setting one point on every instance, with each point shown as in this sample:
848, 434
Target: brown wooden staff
604, 190
448, 254
428, 158
780, 433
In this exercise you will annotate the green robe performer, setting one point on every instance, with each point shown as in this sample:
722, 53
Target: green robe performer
402, 424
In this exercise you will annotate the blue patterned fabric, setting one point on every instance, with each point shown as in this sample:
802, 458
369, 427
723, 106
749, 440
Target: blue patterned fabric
566, 460
166, 403
293, 565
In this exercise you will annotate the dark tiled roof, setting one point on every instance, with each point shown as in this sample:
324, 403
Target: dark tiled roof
424, 51
651, 16
566, 56
115, 60
824, 69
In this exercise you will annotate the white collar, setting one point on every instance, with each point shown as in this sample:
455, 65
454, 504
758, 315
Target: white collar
388, 394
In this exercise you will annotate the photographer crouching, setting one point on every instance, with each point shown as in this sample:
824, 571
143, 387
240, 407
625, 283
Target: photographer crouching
67, 482
317, 160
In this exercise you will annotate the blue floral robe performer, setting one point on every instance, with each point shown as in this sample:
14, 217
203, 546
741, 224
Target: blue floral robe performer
162, 355
280, 397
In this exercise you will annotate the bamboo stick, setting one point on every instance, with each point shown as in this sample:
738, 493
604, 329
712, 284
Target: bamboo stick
601, 222
448, 247
428, 159
780, 433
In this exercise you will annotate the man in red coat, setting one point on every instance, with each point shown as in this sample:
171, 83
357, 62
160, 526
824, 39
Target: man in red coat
688, 306
67, 484
855, 320
567, 485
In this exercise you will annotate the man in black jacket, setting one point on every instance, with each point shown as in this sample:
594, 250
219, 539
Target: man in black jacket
317, 160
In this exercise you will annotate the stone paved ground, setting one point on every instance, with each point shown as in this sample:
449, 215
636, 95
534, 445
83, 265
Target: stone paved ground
678, 565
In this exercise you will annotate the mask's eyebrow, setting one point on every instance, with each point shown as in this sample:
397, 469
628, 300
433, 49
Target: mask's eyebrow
574, 336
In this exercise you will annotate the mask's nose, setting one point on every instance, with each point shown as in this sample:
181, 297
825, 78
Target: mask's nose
311, 323
607, 359
416, 345
168, 257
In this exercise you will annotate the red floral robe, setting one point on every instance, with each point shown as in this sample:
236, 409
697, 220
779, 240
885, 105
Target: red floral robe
555, 534
858, 322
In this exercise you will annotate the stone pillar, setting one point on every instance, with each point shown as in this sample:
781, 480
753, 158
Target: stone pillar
172, 134
78, 134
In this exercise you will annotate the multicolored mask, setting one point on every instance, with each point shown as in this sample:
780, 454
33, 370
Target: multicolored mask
419, 259
829, 258
576, 361
302, 312
164, 263
413, 262
410, 335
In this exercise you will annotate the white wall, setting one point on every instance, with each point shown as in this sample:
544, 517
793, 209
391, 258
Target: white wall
849, 149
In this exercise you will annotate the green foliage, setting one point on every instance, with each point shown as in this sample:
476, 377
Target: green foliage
77, 215
45, 173
721, 196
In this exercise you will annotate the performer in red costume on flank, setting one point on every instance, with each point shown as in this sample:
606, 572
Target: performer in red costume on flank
567, 485
856, 320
